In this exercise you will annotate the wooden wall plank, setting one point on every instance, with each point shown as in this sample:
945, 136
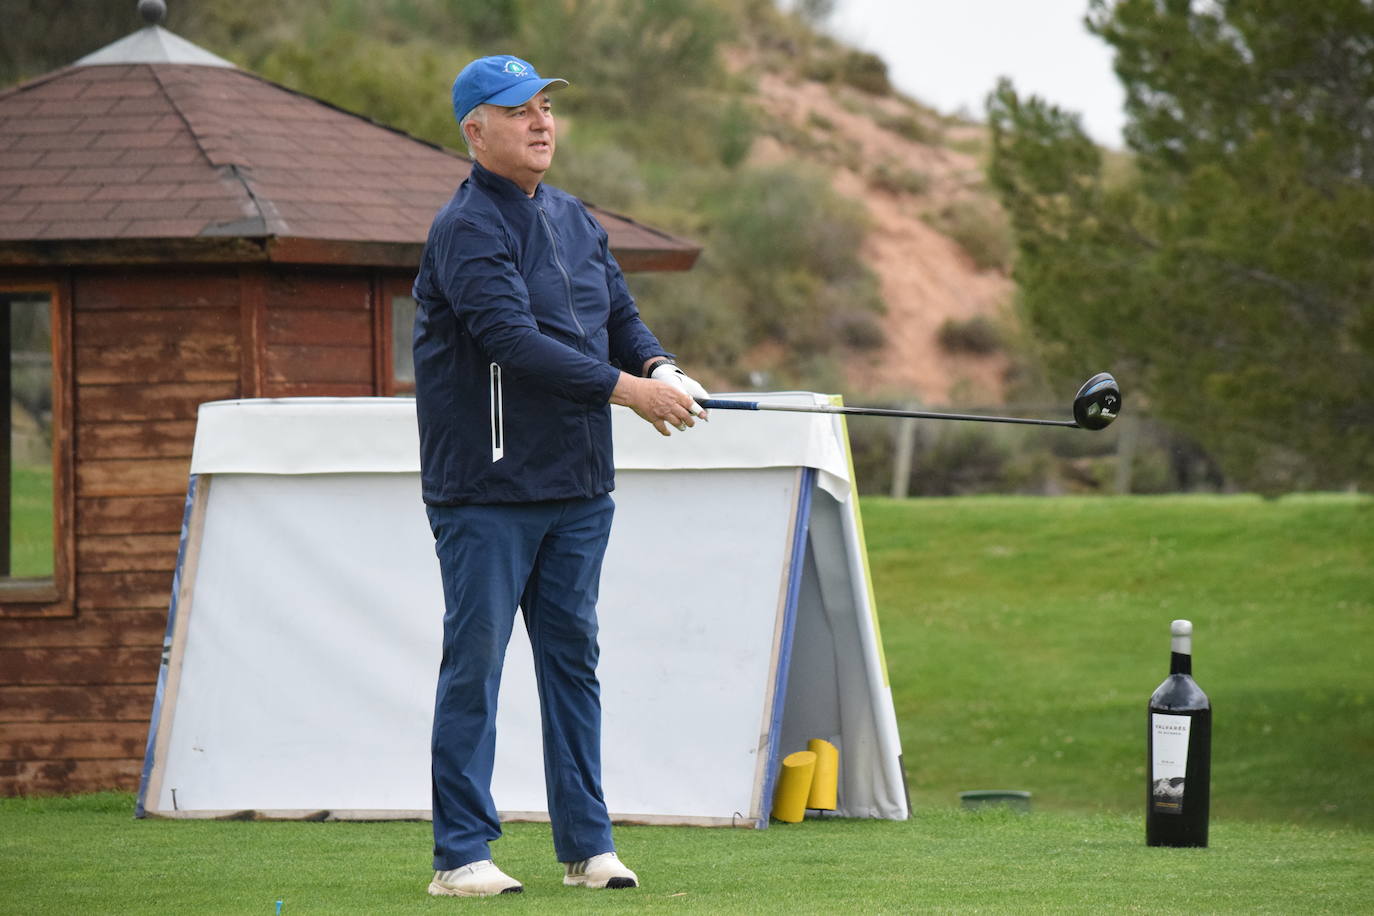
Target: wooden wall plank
383, 381
124, 590
124, 290
319, 365
151, 439
317, 390
126, 552
155, 326
130, 515
67, 667
22, 603
103, 703
252, 329
46, 777
151, 477
178, 359
315, 327
165, 401
314, 289
73, 740
63, 430
92, 628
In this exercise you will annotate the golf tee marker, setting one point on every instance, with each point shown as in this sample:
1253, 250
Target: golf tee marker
794, 785
826, 781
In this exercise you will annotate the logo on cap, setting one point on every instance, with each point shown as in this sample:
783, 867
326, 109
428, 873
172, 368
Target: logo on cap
516, 68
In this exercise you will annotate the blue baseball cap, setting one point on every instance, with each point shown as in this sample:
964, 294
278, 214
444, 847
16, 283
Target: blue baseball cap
501, 80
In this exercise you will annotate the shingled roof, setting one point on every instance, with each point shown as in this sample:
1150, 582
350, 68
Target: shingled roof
165, 159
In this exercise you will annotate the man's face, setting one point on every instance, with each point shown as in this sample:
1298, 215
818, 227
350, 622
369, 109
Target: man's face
516, 143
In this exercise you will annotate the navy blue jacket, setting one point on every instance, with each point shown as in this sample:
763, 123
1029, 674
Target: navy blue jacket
522, 317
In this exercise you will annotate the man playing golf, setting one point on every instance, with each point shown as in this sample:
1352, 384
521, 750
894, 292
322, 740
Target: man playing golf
525, 333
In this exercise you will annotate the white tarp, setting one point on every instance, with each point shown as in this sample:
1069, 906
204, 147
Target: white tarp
305, 629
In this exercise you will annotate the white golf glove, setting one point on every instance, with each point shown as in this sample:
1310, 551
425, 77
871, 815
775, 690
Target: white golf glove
671, 374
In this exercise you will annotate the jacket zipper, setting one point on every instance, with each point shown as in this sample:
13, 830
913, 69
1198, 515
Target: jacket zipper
582, 332
567, 279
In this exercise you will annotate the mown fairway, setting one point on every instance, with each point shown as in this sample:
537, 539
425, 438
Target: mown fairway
88, 855
1023, 638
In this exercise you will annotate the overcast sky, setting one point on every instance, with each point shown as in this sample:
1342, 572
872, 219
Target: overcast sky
949, 53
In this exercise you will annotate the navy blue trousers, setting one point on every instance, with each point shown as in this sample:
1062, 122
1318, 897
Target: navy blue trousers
546, 558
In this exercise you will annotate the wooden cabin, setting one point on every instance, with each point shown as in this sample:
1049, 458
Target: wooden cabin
173, 230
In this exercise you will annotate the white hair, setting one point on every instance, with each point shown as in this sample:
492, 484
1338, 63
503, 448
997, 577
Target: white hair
478, 114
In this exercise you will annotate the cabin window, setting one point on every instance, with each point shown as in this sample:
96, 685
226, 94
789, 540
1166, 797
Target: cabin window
27, 493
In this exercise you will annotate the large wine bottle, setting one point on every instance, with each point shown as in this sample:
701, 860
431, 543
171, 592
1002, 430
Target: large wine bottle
1179, 760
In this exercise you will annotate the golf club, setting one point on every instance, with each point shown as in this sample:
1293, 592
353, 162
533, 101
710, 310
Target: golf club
1094, 407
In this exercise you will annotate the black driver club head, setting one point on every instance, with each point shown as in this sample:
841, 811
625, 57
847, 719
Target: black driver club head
1097, 402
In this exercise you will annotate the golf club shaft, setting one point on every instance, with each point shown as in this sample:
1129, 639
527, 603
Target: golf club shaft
717, 404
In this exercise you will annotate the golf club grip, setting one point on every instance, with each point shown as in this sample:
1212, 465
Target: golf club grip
716, 404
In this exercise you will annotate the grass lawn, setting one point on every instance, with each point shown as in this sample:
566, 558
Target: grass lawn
87, 855
1023, 638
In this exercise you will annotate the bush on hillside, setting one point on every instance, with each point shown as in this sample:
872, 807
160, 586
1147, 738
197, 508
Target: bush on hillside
977, 336
980, 229
898, 179
867, 72
792, 244
736, 128
834, 64
909, 127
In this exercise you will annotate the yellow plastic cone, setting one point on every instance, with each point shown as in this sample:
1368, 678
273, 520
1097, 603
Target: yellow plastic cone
826, 781
794, 785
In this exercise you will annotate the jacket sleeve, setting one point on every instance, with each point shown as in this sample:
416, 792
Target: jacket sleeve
632, 343
478, 276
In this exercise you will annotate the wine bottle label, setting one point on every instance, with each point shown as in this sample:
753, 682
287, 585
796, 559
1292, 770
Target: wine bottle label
1170, 763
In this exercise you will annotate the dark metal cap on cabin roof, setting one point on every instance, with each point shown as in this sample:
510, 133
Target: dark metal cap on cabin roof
152, 11
155, 150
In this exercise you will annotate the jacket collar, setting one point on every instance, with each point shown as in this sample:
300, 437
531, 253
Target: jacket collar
500, 186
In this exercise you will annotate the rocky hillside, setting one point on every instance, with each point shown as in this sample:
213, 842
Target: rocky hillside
936, 239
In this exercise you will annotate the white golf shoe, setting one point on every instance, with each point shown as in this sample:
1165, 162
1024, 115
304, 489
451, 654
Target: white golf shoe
476, 879
605, 870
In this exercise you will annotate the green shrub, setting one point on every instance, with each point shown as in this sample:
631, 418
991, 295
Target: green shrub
964, 458
735, 130
627, 58
980, 229
819, 121
360, 72
786, 235
977, 335
694, 316
605, 175
969, 146
908, 126
866, 72
893, 176
861, 330
822, 69
834, 64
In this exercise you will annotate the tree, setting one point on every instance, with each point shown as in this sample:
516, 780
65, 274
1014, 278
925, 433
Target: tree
40, 36
1230, 276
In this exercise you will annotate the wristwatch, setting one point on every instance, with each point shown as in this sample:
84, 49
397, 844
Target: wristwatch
655, 363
